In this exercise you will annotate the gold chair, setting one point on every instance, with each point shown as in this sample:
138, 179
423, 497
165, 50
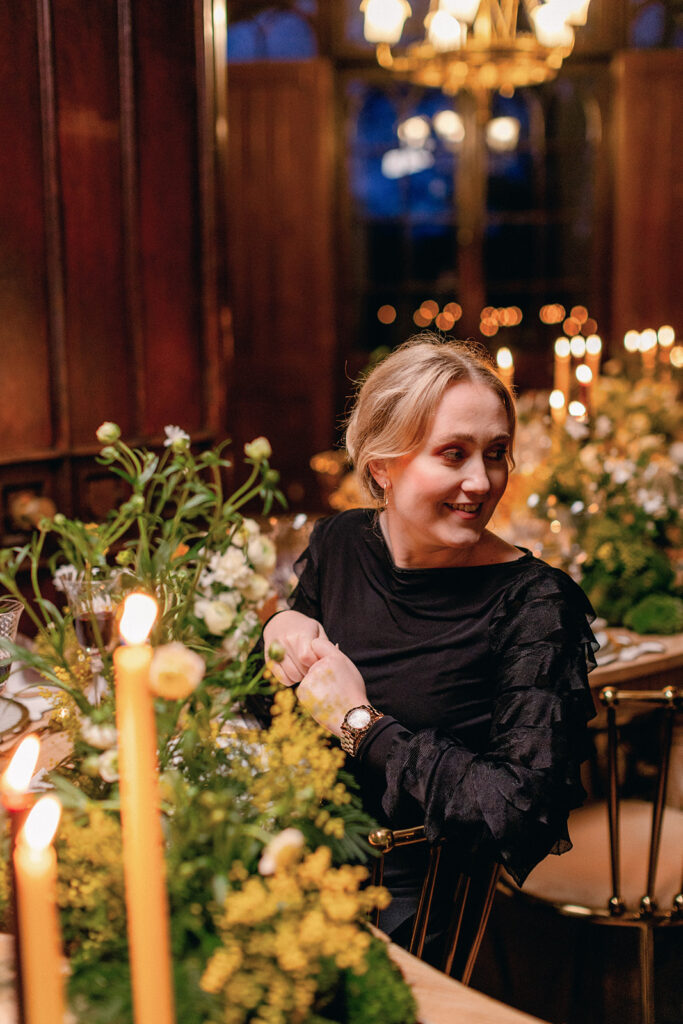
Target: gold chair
643, 836
472, 901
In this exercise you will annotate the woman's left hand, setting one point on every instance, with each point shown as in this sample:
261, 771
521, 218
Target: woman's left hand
331, 687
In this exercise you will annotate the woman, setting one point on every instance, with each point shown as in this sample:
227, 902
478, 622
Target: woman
451, 664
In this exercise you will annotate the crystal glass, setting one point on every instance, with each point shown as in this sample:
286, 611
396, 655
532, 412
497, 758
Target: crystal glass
10, 613
93, 597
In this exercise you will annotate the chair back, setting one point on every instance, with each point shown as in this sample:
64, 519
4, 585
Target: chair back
470, 908
670, 701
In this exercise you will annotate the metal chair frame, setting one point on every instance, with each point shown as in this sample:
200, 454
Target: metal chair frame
647, 915
385, 840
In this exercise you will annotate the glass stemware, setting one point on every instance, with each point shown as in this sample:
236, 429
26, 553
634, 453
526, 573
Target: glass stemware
92, 597
10, 613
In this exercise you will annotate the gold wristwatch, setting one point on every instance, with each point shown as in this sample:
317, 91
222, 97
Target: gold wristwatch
356, 723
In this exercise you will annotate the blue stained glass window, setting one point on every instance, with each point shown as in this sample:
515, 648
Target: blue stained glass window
274, 35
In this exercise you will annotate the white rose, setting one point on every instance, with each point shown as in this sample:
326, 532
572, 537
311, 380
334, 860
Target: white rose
258, 449
101, 736
282, 850
262, 554
231, 569
218, 616
108, 765
256, 588
176, 438
175, 671
108, 433
247, 529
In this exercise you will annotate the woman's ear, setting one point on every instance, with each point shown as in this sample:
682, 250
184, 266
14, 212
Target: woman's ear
378, 468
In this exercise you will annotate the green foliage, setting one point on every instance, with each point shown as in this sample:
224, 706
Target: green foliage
656, 613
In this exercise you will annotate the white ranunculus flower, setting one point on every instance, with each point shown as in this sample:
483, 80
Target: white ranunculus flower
247, 529
283, 849
108, 765
218, 616
101, 736
176, 438
231, 568
258, 449
676, 452
256, 588
262, 554
175, 671
108, 433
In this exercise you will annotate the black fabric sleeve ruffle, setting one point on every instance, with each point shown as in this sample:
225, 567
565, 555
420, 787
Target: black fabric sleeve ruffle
510, 801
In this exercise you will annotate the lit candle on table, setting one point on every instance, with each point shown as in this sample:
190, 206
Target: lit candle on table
506, 367
584, 376
16, 780
17, 801
35, 869
561, 376
648, 351
666, 337
143, 855
593, 353
558, 407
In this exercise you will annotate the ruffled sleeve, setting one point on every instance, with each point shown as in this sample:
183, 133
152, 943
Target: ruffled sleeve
510, 801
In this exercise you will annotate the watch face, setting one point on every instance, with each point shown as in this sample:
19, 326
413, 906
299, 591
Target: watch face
358, 718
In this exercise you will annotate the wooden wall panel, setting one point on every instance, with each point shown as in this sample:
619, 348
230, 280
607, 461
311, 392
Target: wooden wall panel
25, 405
100, 371
169, 238
648, 194
280, 247
110, 281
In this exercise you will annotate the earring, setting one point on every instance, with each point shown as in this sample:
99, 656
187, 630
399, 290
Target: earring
386, 495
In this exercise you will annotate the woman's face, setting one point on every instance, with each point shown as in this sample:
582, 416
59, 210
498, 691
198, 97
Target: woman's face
443, 494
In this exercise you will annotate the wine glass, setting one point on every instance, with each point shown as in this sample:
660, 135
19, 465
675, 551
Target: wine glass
10, 613
92, 597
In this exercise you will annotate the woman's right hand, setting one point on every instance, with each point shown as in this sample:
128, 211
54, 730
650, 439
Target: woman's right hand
295, 632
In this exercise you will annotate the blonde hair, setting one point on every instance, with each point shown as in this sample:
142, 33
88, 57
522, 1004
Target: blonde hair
396, 402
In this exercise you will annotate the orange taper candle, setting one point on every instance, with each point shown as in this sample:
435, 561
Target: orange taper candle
143, 856
35, 870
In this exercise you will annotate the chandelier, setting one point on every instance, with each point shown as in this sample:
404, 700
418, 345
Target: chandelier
477, 45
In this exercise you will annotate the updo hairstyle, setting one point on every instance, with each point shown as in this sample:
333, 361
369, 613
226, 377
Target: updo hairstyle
396, 402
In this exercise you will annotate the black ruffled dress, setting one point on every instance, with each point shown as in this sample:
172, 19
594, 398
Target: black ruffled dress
481, 672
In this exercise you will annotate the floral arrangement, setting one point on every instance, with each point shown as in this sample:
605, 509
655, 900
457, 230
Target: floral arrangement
265, 837
610, 493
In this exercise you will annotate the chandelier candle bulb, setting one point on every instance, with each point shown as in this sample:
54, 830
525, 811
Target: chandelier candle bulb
506, 367
143, 856
35, 870
665, 337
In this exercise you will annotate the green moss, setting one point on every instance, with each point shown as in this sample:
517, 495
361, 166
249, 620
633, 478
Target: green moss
656, 613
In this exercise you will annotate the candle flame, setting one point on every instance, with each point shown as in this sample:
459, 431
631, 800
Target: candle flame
648, 340
556, 400
41, 824
584, 374
593, 344
504, 358
577, 409
578, 346
23, 764
666, 336
139, 613
631, 341
562, 347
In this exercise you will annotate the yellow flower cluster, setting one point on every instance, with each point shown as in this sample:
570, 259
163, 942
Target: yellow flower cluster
90, 882
275, 931
295, 764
